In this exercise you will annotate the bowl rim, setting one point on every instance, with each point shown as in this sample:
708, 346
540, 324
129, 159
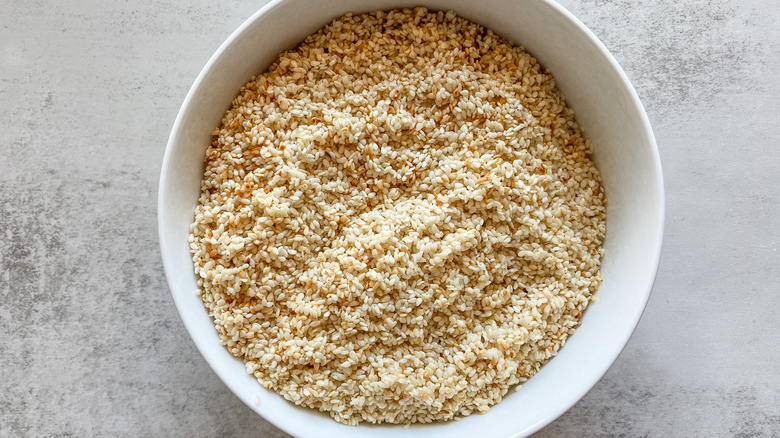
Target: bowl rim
644, 292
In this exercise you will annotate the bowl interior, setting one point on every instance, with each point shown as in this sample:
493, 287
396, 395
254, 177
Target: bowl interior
625, 153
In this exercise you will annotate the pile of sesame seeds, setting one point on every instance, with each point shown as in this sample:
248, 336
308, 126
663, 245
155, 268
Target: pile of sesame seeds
399, 220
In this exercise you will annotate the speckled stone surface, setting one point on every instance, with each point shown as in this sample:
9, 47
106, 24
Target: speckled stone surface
91, 344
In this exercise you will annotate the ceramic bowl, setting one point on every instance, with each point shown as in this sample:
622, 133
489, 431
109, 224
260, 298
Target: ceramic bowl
606, 106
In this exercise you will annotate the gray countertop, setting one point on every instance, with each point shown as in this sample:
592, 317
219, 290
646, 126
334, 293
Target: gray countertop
91, 344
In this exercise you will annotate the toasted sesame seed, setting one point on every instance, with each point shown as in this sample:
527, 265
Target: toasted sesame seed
399, 220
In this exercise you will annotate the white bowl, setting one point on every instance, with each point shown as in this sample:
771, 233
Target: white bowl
625, 152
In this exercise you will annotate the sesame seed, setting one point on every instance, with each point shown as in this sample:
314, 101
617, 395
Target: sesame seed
399, 220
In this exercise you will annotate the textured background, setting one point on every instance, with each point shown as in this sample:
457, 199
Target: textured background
91, 344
